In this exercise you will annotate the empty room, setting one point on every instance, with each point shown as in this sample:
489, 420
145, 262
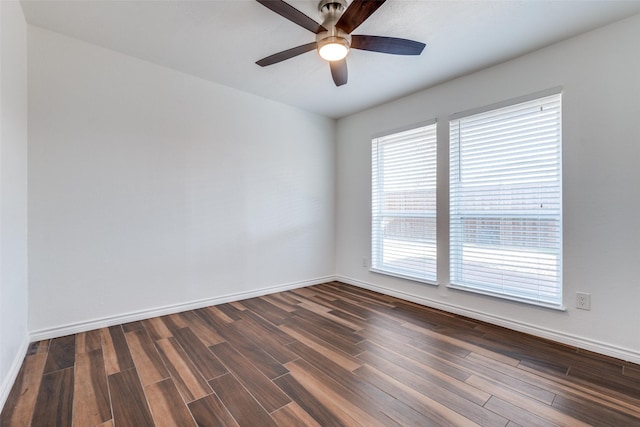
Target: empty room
319, 213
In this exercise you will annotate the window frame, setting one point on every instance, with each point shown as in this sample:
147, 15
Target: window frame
376, 259
455, 258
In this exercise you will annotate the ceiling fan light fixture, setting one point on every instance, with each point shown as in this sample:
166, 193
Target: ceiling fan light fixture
333, 48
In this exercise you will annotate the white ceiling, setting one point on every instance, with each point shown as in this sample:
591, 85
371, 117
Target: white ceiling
220, 40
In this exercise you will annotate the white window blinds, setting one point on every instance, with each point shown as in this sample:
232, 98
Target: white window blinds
404, 204
506, 203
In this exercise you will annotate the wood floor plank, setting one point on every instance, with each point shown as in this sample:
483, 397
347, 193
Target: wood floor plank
88, 341
324, 294
375, 354
132, 326
252, 350
279, 302
211, 412
91, 402
323, 299
237, 305
294, 416
358, 294
244, 408
173, 322
352, 308
258, 327
201, 329
338, 331
303, 293
413, 311
335, 354
214, 318
230, 310
288, 297
38, 347
439, 360
542, 358
330, 355
324, 415
156, 328
190, 383
219, 313
262, 388
384, 336
362, 410
558, 385
607, 380
54, 404
592, 413
167, 407
462, 401
19, 406
436, 344
270, 312
631, 371
540, 409
339, 374
465, 345
61, 353
203, 359
542, 366
146, 358
370, 297
515, 414
324, 334
115, 350
328, 314
351, 318
128, 401
311, 305
402, 414
506, 375
268, 337
439, 414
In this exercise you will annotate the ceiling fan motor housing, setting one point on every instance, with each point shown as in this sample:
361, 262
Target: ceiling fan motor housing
331, 11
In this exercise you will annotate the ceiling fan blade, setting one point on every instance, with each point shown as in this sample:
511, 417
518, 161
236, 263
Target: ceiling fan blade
391, 45
292, 14
339, 72
357, 12
286, 54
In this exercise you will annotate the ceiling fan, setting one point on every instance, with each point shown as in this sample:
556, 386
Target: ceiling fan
333, 36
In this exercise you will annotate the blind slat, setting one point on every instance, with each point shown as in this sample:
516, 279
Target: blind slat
403, 238
505, 202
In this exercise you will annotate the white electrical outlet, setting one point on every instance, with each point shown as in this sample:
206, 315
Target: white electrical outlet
364, 262
583, 301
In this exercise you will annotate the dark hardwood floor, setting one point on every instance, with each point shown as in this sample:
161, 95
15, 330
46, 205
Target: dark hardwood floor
326, 355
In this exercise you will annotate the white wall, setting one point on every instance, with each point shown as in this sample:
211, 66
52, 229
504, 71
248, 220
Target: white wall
150, 188
13, 193
599, 72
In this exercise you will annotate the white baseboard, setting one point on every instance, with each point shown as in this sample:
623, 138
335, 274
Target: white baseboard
557, 336
10, 378
561, 337
74, 328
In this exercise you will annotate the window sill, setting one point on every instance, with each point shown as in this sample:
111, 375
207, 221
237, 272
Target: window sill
403, 276
557, 307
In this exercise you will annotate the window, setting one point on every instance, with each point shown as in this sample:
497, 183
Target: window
506, 202
404, 204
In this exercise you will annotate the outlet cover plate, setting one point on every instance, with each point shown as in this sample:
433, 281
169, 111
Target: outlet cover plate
583, 301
